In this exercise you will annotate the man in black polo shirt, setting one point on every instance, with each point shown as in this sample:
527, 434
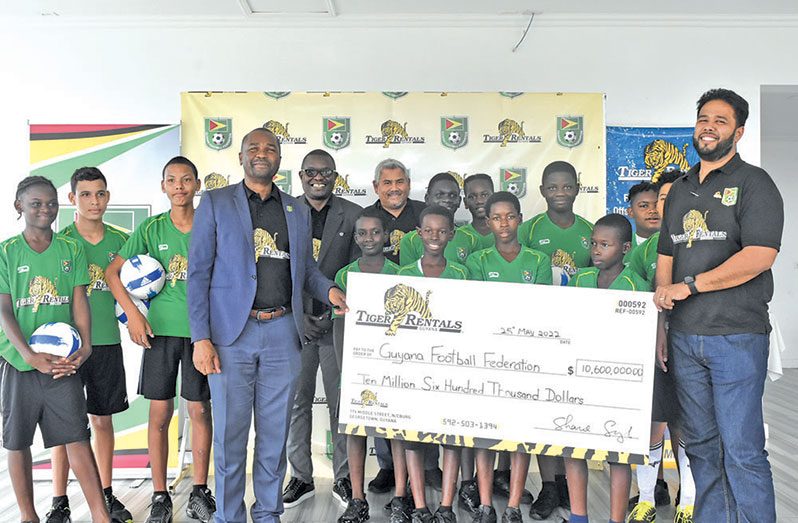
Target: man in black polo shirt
719, 238
392, 185
333, 226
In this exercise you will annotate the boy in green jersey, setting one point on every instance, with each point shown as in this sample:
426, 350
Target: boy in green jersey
103, 373
370, 232
642, 211
477, 188
436, 229
166, 339
43, 278
610, 241
442, 190
506, 261
558, 232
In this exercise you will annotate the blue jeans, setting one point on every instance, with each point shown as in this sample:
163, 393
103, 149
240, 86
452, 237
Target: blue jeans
720, 381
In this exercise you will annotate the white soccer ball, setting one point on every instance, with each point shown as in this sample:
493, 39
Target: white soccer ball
454, 137
56, 338
336, 138
569, 136
217, 138
143, 276
512, 187
142, 305
559, 276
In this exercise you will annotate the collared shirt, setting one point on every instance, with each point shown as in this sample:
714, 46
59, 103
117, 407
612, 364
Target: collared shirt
317, 221
705, 224
272, 251
398, 226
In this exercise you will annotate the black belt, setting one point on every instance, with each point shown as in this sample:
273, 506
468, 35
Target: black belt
269, 314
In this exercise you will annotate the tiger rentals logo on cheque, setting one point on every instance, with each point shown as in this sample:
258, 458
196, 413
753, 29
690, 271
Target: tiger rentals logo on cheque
407, 308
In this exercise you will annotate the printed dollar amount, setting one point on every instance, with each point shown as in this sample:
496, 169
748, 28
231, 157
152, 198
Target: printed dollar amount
608, 370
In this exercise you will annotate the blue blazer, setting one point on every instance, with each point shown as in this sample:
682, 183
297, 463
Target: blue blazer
222, 278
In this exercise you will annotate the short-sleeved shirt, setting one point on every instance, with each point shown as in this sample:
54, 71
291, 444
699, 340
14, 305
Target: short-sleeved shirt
643, 259
481, 241
411, 248
627, 280
452, 271
569, 249
104, 325
705, 224
40, 286
398, 226
342, 276
529, 266
158, 237
272, 250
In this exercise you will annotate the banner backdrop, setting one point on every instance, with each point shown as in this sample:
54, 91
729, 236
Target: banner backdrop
636, 154
131, 157
510, 136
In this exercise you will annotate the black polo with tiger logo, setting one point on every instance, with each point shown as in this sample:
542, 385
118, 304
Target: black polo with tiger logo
398, 226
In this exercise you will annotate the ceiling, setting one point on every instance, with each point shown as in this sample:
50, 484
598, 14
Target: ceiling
406, 9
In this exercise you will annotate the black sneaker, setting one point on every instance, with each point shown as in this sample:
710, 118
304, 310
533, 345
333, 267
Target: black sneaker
422, 515
562, 491
409, 498
342, 491
357, 511
548, 500
469, 495
527, 498
119, 514
512, 515
400, 510
662, 496
201, 505
485, 514
161, 511
445, 515
59, 512
433, 478
501, 483
296, 492
383, 482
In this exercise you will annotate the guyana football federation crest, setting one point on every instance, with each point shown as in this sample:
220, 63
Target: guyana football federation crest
569, 131
282, 179
454, 131
335, 132
513, 179
218, 133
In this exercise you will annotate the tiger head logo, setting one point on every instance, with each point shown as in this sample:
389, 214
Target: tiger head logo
41, 290
341, 184
396, 237
316, 248
509, 128
661, 154
215, 181
457, 178
177, 270
401, 300
368, 398
564, 261
96, 279
694, 224
265, 244
278, 129
391, 129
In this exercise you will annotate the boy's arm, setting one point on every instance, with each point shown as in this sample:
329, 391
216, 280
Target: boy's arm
544, 275
137, 325
44, 363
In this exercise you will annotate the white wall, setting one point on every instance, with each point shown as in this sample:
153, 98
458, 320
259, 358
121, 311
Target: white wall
133, 73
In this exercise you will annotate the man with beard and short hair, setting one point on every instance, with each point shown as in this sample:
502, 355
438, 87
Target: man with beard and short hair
333, 223
720, 235
249, 262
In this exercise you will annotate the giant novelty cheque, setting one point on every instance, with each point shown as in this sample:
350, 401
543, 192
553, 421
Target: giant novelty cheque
548, 370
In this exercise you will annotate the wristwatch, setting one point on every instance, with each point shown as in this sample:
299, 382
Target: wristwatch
690, 282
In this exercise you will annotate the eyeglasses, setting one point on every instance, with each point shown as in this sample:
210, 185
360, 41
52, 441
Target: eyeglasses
325, 173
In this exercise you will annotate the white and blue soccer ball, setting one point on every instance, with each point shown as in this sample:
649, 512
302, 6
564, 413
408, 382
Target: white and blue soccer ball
142, 305
559, 276
56, 338
143, 276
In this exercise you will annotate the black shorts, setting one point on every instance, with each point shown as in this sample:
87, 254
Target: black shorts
159, 365
103, 375
31, 398
665, 404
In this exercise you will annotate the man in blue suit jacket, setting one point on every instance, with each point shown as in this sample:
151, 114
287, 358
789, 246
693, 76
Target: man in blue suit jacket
250, 260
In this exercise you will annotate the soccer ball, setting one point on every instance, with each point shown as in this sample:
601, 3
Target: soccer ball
217, 139
569, 136
512, 187
143, 276
454, 137
142, 305
336, 138
56, 338
559, 276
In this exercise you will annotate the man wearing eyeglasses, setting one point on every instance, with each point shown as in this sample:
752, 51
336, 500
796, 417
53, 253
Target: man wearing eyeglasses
333, 223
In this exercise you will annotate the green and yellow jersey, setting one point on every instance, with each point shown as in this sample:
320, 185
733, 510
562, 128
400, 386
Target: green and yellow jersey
480, 241
529, 266
411, 248
643, 259
452, 271
569, 249
627, 280
342, 276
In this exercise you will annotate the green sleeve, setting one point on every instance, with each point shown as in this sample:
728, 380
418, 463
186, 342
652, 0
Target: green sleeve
543, 276
573, 279
5, 284
407, 249
81, 265
635, 260
340, 278
524, 231
136, 244
474, 267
